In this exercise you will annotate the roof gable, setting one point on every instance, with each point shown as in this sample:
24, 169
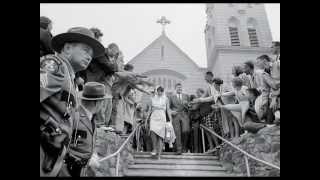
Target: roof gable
153, 51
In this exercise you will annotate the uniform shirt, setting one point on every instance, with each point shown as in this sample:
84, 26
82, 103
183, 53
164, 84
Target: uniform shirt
58, 94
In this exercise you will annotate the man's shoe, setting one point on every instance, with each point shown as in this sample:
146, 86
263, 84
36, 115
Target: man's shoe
179, 152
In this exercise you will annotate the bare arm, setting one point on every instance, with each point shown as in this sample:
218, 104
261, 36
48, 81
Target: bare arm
228, 94
139, 89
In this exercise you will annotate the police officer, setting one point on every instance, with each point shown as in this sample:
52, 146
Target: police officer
83, 136
58, 93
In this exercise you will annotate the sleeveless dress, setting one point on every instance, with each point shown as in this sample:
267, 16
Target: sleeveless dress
158, 115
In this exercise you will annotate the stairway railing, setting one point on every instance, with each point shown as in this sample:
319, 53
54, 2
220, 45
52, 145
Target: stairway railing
117, 153
246, 155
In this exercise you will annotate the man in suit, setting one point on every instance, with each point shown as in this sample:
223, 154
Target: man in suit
181, 122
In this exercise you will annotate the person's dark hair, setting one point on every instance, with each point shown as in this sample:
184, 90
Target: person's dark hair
97, 33
200, 90
254, 91
209, 73
128, 67
265, 57
192, 97
218, 81
178, 84
250, 64
160, 88
237, 81
238, 70
44, 22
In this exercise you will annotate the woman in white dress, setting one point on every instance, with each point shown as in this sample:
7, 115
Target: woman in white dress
159, 108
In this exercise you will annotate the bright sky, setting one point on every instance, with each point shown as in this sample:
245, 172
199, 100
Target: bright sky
133, 26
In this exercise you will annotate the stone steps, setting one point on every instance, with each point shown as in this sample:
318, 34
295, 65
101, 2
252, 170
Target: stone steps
174, 173
170, 164
176, 161
183, 156
177, 167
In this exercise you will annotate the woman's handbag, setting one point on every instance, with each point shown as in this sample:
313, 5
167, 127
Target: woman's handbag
169, 134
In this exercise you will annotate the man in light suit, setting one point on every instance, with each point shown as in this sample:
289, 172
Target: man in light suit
181, 122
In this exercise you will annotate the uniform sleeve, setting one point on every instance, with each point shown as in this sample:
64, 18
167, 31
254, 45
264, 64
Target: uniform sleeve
51, 78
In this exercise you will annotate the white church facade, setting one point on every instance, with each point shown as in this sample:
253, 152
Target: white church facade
166, 64
234, 33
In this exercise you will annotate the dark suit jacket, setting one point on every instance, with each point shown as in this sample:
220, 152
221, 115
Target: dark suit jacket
176, 105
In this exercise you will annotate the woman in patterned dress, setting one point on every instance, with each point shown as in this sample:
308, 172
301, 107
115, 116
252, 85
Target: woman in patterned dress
159, 108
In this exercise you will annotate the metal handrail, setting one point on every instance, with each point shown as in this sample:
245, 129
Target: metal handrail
242, 151
117, 153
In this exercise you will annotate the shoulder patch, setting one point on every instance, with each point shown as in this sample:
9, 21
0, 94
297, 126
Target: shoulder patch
49, 64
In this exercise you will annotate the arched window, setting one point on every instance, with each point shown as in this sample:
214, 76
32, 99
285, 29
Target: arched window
164, 82
233, 30
159, 81
252, 32
169, 83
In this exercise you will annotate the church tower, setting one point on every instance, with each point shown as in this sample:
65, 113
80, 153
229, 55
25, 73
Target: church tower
235, 33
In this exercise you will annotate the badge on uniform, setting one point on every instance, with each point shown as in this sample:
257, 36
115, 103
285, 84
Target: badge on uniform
43, 79
49, 65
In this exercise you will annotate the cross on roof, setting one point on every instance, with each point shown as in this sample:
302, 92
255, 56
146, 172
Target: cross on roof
163, 21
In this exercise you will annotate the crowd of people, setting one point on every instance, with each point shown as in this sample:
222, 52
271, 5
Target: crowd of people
85, 86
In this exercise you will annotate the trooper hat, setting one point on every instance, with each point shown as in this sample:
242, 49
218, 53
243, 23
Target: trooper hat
80, 35
94, 91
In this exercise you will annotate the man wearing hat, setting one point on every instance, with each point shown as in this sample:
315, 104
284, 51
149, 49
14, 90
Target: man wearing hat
83, 136
58, 93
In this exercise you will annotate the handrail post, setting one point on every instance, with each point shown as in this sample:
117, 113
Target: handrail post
117, 165
247, 165
202, 135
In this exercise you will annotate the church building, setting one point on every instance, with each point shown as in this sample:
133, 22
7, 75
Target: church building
234, 33
166, 64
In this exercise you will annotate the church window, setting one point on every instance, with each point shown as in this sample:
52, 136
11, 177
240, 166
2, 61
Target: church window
154, 81
169, 83
159, 81
164, 82
253, 37
252, 32
234, 36
233, 30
